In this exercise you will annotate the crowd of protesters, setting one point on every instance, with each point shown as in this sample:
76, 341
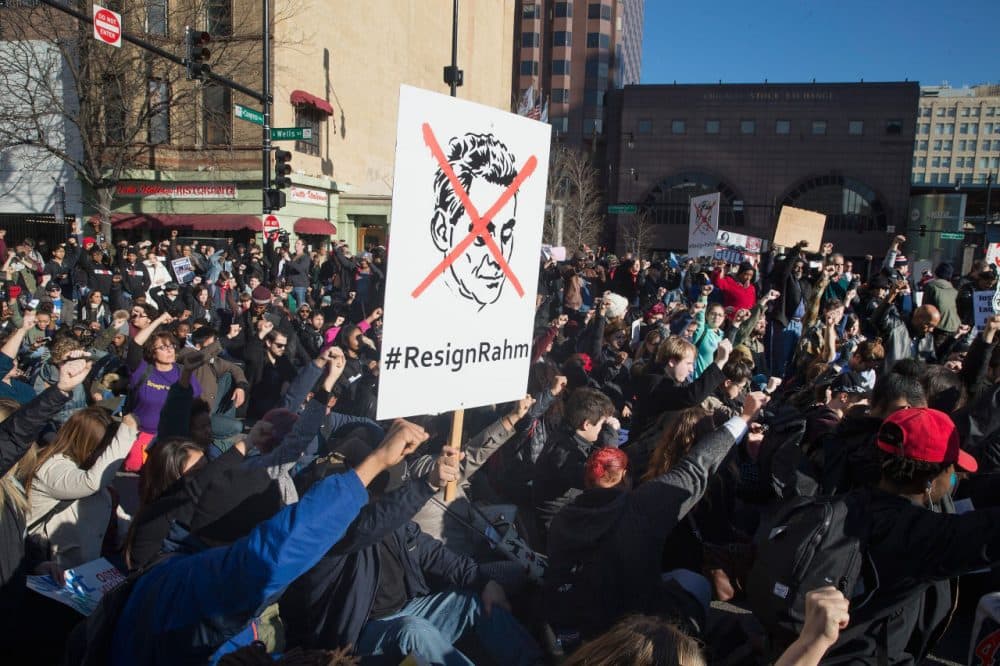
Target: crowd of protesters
208, 426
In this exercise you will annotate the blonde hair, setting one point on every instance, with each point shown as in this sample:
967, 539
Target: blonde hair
78, 439
640, 640
674, 348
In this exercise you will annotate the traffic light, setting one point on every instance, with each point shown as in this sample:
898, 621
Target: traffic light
196, 53
923, 230
282, 169
280, 180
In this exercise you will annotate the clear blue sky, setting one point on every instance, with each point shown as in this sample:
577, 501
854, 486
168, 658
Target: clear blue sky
746, 41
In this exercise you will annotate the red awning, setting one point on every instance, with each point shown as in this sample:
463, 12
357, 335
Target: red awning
200, 222
314, 226
301, 97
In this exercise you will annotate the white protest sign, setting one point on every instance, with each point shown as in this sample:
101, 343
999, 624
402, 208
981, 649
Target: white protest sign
736, 248
993, 254
84, 585
982, 301
796, 224
469, 189
703, 226
635, 331
183, 269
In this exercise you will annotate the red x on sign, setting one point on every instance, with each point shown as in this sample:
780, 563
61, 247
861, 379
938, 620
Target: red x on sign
479, 224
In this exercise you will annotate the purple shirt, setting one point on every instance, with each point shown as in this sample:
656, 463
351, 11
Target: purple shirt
152, 394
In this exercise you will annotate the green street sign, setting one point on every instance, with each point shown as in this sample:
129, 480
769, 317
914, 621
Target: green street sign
291, 133
947, 235
621, 209
248, 114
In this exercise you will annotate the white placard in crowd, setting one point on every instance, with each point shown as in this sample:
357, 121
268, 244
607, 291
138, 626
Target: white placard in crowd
982, 301
183, 270
993, 254
84, 585
469, 191
703, 226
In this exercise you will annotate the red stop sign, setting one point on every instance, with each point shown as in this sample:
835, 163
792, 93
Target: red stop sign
270, 222
107, 26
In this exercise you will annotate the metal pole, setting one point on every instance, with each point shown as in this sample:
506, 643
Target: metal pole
454, 48
265, 172
560, 210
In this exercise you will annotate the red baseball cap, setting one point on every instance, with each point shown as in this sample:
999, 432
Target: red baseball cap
924, 434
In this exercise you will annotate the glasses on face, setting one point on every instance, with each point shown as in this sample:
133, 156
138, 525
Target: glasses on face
163, 348
138, 315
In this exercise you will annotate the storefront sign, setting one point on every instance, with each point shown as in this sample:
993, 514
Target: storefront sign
306, 195
175, 191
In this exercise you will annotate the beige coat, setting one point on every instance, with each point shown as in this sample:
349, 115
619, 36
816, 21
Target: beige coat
77, 532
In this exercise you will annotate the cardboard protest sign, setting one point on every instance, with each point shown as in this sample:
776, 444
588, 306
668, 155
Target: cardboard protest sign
469, 196
796, 224
703, 226
183, 269
84, 586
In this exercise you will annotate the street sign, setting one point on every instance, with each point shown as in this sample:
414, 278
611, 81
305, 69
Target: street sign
107, 26
946, 235
271, 222
291, 133
248, 114
621, 209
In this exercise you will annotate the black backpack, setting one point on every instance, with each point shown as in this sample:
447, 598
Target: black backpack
808, 543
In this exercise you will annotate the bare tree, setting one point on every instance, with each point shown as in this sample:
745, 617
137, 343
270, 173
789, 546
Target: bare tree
574, 186
636, 233
103, 110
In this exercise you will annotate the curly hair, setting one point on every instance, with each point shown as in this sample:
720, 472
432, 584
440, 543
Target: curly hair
908, 472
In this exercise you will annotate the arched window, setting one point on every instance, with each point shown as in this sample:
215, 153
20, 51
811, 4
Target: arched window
849, 204
669, 201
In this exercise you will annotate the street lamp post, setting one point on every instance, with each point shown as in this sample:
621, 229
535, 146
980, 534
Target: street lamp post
989, 191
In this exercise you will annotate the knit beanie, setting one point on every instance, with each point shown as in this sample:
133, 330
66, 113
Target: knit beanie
261, 295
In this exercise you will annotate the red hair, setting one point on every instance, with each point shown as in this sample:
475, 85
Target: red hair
602, 462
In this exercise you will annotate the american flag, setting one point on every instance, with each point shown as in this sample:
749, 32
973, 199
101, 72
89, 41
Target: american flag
535, 112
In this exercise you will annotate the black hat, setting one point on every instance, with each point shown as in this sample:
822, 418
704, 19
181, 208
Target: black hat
171, 286
849, 382
879, 282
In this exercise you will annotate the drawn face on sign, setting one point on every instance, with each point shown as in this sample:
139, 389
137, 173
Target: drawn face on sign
485, 168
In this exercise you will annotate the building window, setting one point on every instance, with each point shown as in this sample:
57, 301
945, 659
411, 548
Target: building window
939, 128
560, 67
961, 145
936, 145
114, 112
991, 110
220, 18
644, 126
159, 112
217, 115
598, 40
925, 128
925, 111
562, 38
967, 178
712, 126
309, 118
947, 146
921, 161
591, 126
894, 126
530, 11
560, 96
949, 129
974, 129
529, 40
940, 112
819, 127
748, 126
945, 162
560, 124
988, 128
678, 127
783, 127
599, 11
918, 177
597, 69
972, 146
856, 127
529, 68
963, 128
951, 112
934, 178
563, 10
965, 112
935, 161
922, 145
986, 144
593, 98
959, 162
156, 17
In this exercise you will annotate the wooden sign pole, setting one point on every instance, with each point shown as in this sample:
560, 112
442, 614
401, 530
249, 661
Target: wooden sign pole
455, 442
